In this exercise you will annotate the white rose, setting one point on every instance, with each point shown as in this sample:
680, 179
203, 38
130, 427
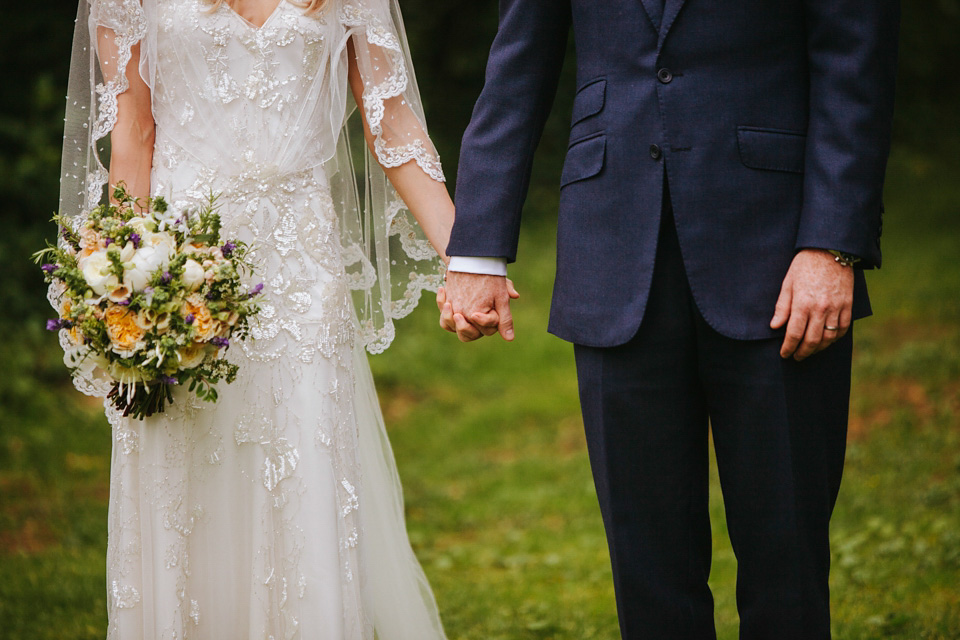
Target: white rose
161, 241
193, 275
96, 271
146, 260
135, 278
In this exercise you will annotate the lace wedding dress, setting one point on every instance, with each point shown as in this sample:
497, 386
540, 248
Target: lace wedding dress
276, 512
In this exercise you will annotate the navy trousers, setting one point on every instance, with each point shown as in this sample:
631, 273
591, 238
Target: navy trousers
779, 429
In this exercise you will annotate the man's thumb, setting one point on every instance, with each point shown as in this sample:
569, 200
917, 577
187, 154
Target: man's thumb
506, 321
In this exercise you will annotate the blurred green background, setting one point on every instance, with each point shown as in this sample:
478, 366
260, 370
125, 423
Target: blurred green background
488, 436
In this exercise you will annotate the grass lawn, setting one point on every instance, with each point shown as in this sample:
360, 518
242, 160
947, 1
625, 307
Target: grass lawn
489, 442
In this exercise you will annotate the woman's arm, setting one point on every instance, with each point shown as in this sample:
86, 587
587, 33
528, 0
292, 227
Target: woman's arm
426, 198
132, 138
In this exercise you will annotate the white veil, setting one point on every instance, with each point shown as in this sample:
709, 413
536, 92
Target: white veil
389, 260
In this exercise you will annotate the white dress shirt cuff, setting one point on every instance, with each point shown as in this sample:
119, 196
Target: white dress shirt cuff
473, 264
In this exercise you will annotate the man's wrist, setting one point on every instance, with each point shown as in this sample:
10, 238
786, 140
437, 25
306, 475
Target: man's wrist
478, 264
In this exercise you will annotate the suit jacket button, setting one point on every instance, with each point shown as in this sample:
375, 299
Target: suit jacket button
655, 152
665, 75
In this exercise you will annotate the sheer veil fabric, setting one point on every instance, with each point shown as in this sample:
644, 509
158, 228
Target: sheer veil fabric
278, 511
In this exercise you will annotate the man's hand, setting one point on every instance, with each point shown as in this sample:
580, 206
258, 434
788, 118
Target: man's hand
816, 303
475, 305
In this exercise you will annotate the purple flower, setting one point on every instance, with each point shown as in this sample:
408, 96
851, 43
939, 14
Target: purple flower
124, 302
169, 380
148, 290
257, 289
166, 277
189, 318
107, 241
228, 248
219, 342
135, 239
49, 268
58, 323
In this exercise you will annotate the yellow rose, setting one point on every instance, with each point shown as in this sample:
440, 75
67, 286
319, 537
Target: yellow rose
122, 328
202, 319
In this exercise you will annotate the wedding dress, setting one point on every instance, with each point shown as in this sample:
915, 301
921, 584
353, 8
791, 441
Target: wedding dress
276, 512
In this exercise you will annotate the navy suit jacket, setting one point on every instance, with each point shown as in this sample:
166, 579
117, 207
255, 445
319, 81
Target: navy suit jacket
771, 119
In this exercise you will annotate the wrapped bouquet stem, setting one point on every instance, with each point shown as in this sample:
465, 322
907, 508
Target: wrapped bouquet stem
150, 296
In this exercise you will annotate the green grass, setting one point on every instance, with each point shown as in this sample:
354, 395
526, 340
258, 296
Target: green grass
489, 442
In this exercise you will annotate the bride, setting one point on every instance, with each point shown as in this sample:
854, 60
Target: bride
276, 512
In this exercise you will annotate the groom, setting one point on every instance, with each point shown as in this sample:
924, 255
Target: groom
720, 198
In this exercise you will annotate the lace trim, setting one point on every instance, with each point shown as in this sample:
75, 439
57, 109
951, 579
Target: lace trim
419, 282
393, 86
130, 27
399, 225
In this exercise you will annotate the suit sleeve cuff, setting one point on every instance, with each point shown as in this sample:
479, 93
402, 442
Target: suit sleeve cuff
473, 264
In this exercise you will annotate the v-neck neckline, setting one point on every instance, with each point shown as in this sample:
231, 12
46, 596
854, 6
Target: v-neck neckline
251, 25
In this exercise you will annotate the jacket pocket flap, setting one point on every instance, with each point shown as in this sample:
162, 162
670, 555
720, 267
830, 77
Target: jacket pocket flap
772, 149
584, 159
589, 100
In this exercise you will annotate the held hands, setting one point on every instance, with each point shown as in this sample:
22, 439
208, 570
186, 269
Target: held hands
476, 305
815, 303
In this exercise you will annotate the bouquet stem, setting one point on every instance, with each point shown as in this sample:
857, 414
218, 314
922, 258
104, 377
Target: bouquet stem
145, 399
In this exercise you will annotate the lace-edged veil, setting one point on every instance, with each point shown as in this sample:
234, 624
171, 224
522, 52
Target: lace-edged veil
389, 261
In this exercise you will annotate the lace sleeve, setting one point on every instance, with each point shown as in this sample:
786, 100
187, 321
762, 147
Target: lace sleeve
390, 261
391, 101
105, 36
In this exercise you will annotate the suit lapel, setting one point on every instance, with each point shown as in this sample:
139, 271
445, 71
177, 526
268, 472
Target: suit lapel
654, 11
671, 10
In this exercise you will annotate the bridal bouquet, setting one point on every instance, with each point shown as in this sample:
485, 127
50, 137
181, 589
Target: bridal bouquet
151, 297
